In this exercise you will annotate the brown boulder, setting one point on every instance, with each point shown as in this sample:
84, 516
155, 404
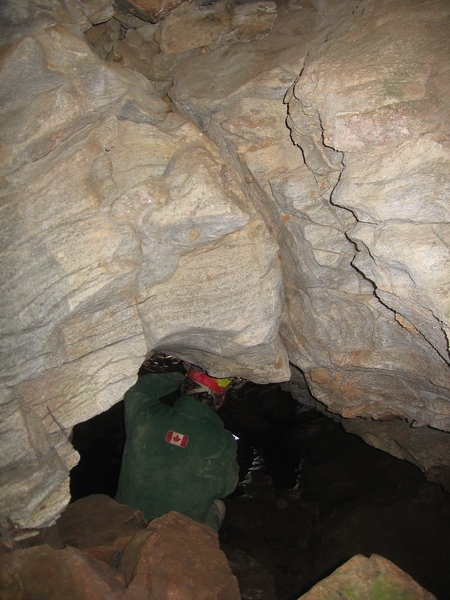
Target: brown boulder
99, 526
43, 572
177, 558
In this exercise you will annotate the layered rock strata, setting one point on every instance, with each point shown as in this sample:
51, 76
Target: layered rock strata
360, 213
123, 230
219, 232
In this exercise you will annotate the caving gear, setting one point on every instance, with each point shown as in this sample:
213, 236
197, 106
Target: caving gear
177, 457
217, 385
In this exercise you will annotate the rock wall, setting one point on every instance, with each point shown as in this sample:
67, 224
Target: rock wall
211, 227
371, 110
361, 213
123, 230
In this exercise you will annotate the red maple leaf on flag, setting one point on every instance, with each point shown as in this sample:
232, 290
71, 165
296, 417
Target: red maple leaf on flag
178, 439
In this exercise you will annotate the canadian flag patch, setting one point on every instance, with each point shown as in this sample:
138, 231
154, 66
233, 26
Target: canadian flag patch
177, 439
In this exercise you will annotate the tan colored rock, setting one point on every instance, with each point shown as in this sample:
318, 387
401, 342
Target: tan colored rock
147, 10
371, 578
97, 11
140, 52
397, 199
104, 193
129, 21
214, 24
263, 69
125, 228
43, 572
254, 127
169, 318
101, 38
31, 16
178, 558
368, 176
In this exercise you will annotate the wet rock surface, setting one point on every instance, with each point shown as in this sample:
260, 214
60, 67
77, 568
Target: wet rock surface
315, 496
255, 581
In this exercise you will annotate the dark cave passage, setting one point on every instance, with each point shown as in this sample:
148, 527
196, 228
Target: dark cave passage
310, 495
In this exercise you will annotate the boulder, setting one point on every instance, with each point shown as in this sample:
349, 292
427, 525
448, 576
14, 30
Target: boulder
371, 578
102, 37
172, 555
99, 526
176, 557
44, 572
219, 23
97, 11
140, 52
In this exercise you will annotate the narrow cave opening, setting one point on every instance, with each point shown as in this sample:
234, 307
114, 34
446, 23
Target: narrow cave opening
310, 495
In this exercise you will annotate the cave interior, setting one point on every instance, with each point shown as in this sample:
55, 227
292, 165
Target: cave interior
310, 495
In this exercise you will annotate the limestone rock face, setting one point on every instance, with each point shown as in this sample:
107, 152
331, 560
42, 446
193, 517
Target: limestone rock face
375, 116
215, 231
148, 10
361, 214
107, 197
97, 11
214, 24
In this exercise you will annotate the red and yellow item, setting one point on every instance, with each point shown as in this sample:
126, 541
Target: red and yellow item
216, 384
